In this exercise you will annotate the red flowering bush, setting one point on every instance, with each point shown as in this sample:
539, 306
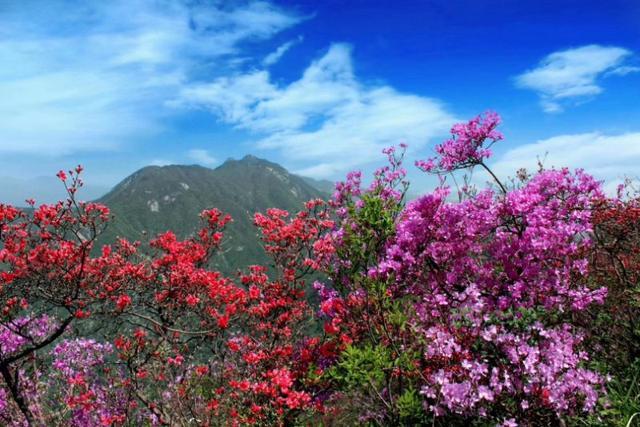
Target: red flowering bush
186, 342
613, 333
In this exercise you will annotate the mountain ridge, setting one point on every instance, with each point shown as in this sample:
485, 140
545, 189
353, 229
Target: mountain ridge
155, 199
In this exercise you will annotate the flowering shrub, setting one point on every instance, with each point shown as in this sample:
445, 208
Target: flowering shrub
464, 309
437, 312
183, 342
613, 334
615, 261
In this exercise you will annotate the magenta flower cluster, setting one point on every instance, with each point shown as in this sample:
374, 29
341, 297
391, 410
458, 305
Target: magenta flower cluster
81, 365
78, 376
24, 331
478, 269
468, 146
489, 285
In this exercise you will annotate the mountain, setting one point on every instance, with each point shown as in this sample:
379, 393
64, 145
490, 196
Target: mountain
159, 198
323, 185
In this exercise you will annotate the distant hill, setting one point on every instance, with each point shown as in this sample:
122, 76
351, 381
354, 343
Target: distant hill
323, 185
159, 198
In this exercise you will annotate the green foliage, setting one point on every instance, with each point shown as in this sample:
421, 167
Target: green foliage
410, 407
372, 222
362, 367
621, 403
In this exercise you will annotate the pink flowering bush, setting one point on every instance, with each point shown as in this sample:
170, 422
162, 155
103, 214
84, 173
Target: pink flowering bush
82, 369
73, 380
477, 295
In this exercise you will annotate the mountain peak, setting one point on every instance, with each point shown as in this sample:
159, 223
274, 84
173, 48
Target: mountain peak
251, 161
156, 199
251, 158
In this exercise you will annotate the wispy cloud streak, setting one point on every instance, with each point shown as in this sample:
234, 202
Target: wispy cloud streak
85, 76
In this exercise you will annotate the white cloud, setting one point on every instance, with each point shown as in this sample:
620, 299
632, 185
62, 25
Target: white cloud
275, 56
624, 70
202, 157
326, 117
92, 75
607, 157
573, 74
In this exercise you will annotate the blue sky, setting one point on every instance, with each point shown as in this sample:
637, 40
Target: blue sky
318, 86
